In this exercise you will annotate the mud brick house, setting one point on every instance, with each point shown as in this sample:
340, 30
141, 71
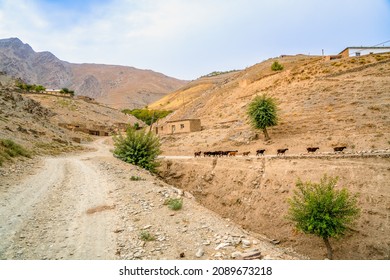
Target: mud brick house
179, 126
98, 130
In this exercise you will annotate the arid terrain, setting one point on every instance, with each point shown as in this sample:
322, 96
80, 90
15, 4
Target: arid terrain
242, 200
253, 192
86, 206
321, 104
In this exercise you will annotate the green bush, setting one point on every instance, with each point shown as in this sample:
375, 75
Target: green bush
67, 91
139, 147
146, 236
146, 115
136, 178
276, 66
320, 209
174, 203
9, 149
28, 87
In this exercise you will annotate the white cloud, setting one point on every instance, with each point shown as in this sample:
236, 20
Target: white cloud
188, 38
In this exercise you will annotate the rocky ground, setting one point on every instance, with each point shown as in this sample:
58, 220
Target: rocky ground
90, 205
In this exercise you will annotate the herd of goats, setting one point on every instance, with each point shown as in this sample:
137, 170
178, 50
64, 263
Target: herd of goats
259, 152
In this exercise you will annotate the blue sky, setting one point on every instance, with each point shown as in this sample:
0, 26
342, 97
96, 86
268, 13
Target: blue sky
189, 38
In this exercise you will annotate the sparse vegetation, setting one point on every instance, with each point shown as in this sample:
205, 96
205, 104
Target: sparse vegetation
146, 236
9, 149
276, 66
174, 203
135, 178
139, 147
28, 87
320, 209
67, 91
262, 112
66, 103
146, 115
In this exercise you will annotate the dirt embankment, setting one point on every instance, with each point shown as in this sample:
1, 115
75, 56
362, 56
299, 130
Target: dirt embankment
93, 206
253, 192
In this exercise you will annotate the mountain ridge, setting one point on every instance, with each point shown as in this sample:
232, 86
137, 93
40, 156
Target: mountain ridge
109, 84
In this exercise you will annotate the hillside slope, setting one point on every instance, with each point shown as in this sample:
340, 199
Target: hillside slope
118, 86
38, 122
327, 104
321, 104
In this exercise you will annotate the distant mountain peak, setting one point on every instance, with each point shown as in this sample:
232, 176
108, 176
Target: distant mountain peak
117, 86
14, 42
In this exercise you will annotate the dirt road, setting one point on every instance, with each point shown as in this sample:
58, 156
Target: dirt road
45, 215
86, 206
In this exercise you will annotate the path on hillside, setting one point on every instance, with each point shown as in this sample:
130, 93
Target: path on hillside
86, 206
371, 153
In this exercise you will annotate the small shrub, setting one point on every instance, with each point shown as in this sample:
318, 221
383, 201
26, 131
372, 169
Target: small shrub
276, 66
174, 203
146, 236
9, 149
135, 178
320, 209
139, 147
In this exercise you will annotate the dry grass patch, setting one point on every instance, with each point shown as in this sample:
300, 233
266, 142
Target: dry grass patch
100, 208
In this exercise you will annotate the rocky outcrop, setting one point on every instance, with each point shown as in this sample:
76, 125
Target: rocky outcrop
90, 86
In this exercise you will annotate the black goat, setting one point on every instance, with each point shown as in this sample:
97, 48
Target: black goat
281, 151
260, 152
339, 149
197, 154
312, 149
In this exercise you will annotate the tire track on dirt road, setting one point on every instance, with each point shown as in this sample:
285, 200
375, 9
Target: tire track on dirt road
45, 216
88, 206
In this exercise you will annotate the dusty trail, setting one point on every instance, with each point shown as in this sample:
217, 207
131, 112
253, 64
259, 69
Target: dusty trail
56, 201
88, 206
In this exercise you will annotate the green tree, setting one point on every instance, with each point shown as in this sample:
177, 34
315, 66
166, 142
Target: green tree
67, 91
39, 88
262, 112
139, 148
320, 209
146, 115
276, 66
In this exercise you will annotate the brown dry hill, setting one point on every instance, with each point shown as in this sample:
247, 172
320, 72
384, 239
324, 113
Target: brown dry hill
38, 121
327, 104
116, 86
321, 103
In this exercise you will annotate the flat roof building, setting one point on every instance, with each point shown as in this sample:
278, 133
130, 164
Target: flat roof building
179, 126
358, 51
